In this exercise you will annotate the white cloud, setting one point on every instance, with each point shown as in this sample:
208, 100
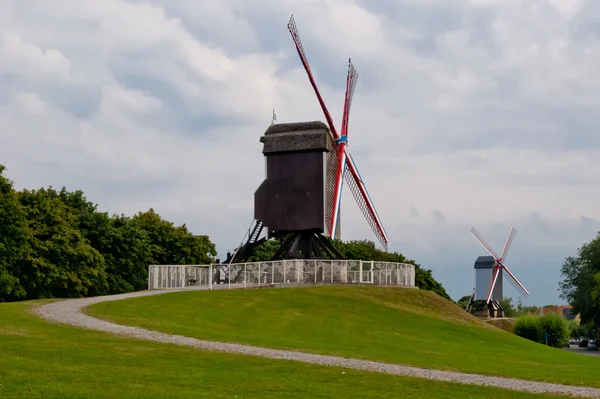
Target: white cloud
18, 56
466, 113
31, 103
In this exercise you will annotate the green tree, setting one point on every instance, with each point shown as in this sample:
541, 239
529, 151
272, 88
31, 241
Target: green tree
265, 251
463, 301
581, 282
13, 240
126, 250
171, 245
526, 310
507, 305
60, 262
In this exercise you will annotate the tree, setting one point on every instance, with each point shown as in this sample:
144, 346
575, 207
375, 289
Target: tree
265, 251
13, 240
171, 245
581, 284
60, 261
507, 305
126, 250
464, 301
525, 310
58, 244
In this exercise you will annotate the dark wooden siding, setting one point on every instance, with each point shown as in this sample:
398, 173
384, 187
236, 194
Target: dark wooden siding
292, 196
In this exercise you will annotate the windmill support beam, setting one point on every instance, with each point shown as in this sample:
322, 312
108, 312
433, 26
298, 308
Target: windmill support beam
306, 244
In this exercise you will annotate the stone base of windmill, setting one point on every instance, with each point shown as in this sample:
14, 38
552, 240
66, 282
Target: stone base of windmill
492, 310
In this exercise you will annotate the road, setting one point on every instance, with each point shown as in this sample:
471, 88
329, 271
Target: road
583, 351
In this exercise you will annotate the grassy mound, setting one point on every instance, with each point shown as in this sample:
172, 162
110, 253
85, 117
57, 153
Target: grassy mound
44, 360
507, 324
403, 326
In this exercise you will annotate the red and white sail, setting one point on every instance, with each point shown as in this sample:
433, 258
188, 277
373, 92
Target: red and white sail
345, 162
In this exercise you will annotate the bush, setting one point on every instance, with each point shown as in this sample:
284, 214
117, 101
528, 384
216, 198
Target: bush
534, 327
557, 329
529, 327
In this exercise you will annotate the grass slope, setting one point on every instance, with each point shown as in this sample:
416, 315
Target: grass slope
44, 360
403, 326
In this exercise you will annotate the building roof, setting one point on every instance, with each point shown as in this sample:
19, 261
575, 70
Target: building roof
297, 137
485, 262
565, 311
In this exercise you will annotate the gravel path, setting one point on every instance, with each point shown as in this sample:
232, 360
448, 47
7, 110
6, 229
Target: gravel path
69, 312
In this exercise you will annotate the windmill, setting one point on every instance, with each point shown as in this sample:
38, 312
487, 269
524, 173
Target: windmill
306, 164
489, 271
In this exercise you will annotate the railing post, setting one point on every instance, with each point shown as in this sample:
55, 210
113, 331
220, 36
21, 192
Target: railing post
273, 273
210, 276
245, 276
229, 276
372, 272
315, 269
284, 279
360, 271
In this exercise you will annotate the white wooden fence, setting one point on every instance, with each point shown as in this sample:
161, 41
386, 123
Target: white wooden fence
293, 271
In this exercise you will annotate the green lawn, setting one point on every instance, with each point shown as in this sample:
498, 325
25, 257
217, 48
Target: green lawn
44, 360
402, 326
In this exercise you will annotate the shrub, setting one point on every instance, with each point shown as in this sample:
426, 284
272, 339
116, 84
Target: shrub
534, 327
529, 327
557, 329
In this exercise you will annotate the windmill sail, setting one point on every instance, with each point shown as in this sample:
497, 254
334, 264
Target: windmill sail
345, 161
515, 282
351, 79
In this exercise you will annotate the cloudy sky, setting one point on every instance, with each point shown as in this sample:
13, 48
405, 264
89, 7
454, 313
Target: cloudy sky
467, 113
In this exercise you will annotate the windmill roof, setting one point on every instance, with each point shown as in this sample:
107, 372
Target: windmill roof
484, 262
297, 137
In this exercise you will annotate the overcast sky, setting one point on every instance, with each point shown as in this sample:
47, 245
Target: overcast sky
467, 113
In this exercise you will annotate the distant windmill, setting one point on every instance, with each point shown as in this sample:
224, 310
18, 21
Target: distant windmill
488, 279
